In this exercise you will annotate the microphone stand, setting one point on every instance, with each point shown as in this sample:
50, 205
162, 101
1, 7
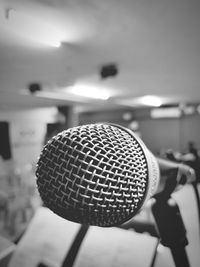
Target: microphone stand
169, 221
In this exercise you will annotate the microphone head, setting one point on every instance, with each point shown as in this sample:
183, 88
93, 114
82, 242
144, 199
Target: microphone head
97, 174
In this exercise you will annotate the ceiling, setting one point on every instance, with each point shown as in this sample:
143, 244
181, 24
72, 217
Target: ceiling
154, 44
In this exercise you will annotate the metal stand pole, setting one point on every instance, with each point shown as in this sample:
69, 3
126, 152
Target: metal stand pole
170, 224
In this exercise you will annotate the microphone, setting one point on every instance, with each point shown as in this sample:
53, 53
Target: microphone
99, 174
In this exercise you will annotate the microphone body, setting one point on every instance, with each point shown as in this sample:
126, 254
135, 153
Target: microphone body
101, 174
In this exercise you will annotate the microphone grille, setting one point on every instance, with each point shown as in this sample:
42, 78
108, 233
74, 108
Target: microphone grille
93, 174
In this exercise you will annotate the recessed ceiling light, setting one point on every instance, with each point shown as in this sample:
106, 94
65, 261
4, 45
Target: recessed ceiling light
147, 100
150, 100
89, 91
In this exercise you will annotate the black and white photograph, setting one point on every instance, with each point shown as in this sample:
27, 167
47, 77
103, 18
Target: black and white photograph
99, 133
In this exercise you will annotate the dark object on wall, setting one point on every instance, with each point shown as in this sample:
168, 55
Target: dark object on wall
108, 71
193, 149
5, 149
52, 129
34, 87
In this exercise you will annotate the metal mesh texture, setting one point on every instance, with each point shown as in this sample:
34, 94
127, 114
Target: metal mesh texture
94, 174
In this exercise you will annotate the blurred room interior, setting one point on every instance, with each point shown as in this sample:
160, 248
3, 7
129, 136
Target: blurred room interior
65, 63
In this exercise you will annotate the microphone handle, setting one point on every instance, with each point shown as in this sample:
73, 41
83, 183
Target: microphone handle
174, 174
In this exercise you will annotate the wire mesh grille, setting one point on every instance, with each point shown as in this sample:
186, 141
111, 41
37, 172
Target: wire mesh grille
94, 174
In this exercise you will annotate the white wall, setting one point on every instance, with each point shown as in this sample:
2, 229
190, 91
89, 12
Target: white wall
27, 130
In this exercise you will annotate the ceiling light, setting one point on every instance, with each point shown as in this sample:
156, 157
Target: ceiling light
34, 29
173, 112
89, 91
150, 100
198, 109
147, 100
189, 110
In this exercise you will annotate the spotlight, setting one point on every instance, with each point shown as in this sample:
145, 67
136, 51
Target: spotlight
34, 87
108, 71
